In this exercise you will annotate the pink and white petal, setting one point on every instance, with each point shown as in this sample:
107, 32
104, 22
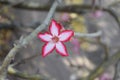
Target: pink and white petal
61, 49
47, 48
54, 28
61, 27
44, 37
66, 35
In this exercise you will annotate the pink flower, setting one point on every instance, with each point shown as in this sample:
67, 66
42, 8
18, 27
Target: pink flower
55, 39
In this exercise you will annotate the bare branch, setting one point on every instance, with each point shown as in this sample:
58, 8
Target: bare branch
90, 35
101, 68
117, 71
80, 9
7, 60
12, 53
24, 75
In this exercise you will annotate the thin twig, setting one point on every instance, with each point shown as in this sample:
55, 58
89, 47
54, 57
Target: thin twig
89, 35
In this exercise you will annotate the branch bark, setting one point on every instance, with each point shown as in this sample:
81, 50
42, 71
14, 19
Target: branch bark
25, 41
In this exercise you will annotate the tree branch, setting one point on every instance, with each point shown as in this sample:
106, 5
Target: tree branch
90, 35
25, 41
117, 71
24, 75
101, 68
80, 9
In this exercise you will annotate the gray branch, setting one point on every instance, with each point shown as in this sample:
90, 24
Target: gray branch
117, 71
25, 41
90, 35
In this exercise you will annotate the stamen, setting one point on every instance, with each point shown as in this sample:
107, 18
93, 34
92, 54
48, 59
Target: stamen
55, 39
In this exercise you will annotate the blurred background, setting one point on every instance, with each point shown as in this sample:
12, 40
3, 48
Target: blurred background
90, 58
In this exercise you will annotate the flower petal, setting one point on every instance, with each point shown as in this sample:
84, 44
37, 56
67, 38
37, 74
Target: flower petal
54, 28
47, 48
60, 48
45, 37
66, 35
